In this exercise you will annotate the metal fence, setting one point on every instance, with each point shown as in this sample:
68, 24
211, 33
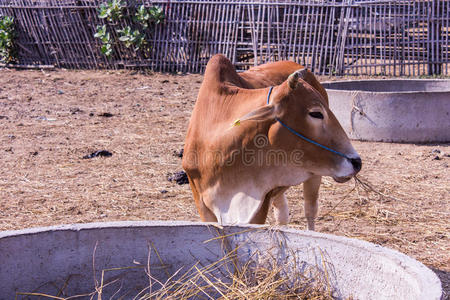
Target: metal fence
399, 37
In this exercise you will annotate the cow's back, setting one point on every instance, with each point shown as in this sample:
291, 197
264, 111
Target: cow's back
272, 74
269, 74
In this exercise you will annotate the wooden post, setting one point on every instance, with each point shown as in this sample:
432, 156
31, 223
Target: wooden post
434, 38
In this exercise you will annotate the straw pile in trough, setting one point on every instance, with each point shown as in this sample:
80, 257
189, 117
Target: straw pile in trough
251, 278
264, 275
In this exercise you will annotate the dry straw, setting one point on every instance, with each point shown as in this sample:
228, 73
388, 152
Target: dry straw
265, 274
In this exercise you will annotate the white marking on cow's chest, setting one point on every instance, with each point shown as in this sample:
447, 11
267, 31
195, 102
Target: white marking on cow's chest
239, 203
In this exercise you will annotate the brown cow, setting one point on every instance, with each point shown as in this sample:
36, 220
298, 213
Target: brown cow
237, 171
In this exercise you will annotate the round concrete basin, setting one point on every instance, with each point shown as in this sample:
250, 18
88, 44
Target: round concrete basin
71, 258
400, 110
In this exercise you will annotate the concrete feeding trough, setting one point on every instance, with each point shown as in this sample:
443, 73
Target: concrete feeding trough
394, 110
46, 259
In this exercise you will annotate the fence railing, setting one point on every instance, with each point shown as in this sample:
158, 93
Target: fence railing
399, 37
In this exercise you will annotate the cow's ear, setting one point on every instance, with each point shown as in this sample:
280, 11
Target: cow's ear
263, 113
293, 78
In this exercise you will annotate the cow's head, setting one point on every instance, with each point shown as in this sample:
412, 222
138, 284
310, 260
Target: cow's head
305, 109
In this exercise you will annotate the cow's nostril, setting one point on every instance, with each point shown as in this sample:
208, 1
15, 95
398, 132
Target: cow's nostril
356, 162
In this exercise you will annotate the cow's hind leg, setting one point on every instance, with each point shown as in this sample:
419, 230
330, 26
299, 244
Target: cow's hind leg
280, 209
280, 206
311, 193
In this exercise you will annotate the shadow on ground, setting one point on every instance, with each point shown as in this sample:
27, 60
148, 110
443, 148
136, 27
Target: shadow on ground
444, 276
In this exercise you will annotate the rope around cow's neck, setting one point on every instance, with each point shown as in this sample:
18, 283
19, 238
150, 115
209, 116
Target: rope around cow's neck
301, 135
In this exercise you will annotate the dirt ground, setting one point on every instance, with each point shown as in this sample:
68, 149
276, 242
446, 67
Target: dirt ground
49, 120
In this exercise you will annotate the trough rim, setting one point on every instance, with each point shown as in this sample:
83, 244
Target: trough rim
431, 286
385, 80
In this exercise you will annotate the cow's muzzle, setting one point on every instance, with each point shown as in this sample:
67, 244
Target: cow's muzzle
357, 164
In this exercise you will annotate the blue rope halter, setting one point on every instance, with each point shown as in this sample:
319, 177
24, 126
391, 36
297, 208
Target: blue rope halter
302, 136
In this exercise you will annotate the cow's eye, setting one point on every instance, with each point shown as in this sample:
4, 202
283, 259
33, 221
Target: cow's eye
316, 114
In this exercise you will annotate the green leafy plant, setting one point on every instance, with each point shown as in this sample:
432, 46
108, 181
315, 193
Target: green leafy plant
111, 11
105, 37
157, 14
145, 16
7, 36
142, 16
132, 35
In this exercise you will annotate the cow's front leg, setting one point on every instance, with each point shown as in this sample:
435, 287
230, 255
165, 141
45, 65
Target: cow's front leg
311, 193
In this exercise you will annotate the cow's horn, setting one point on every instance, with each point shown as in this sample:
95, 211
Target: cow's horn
293, 78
